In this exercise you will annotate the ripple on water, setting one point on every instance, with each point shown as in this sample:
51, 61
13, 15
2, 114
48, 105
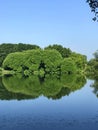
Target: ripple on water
43, 123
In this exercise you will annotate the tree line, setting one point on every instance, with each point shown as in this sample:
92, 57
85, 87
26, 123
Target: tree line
7, 48
93, 65
30, 59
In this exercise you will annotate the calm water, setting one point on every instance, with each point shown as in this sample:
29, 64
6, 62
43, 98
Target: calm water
68, 103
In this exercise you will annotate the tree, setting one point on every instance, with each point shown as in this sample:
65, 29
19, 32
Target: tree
96, 55
65, 52
94, 8
68, 66
80, 60
93, 65
33, 60
7, 48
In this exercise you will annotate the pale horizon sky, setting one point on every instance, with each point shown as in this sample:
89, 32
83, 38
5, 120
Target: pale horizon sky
45, 22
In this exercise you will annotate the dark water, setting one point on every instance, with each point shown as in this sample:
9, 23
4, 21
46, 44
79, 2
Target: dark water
68, 103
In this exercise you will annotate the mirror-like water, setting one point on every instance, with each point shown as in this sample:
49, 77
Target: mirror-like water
50, 102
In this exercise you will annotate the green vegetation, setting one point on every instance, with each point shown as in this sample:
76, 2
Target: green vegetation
53, 59
95, 86
0, 70
6, 95
92, 68
34, 86
6, 49
65, 52
33, 60
68, 66
54, 72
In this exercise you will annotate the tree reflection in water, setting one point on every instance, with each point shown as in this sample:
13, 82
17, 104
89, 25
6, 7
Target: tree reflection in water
51, 86
95, 84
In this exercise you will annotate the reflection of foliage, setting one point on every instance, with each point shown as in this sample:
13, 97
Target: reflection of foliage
51, 86
18, 84
95, 85
6, 95
71, 84
64, 91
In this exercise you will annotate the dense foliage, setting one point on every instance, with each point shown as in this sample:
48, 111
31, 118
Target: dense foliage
45, 61
33, 86
93, 65
80, 60
65, 52
56, 68
53, 59
5, 49
95, 85
7, 95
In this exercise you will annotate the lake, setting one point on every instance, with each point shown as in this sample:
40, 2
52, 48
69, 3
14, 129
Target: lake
48, 103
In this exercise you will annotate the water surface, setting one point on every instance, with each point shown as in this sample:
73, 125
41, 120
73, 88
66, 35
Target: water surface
70, 105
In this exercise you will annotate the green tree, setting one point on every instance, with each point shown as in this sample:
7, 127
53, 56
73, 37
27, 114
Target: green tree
93, 64
95, 85
68, 66
65, 52
7, 48
80, 60
33, 60
96, 55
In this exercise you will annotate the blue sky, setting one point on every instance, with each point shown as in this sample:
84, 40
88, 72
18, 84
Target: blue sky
44, 22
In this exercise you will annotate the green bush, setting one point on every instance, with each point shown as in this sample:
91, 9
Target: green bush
68, 66
33, 60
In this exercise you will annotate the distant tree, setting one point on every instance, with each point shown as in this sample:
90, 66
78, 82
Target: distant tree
65, 52
96, 55
94, 8
7, 48
25, 87
93, 64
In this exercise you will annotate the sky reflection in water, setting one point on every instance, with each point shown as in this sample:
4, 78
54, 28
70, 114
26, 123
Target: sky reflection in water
77, 111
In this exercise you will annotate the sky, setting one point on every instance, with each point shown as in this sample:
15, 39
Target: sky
47, 22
